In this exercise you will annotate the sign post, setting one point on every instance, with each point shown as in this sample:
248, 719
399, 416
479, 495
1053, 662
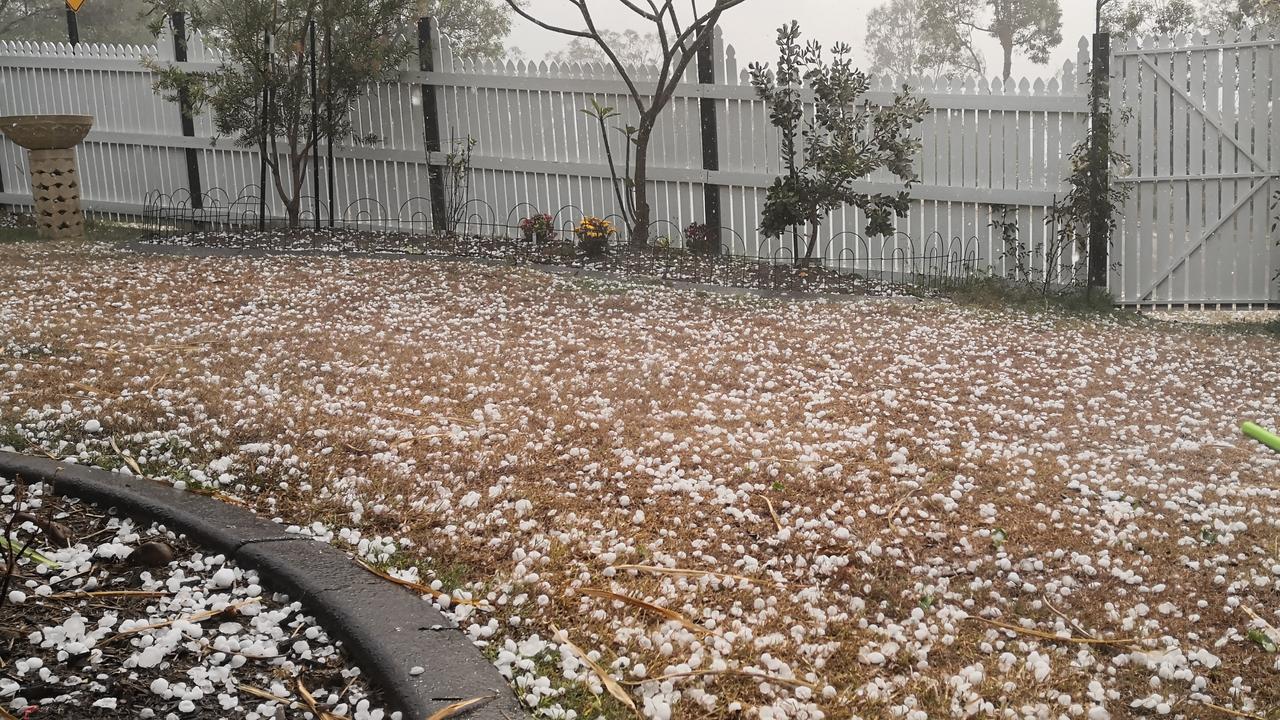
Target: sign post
73, 30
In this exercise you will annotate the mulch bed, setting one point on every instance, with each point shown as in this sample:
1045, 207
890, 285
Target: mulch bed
134, 621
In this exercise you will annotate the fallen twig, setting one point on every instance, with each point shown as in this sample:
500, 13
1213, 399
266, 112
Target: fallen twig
1229, 711
459, 707
194, 618
313, 706
79, 594
1071, 622
265, 695
694, 573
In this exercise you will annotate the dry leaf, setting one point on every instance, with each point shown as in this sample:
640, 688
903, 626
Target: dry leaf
459, 707
1050, 636
417, 587
610, 684
667, 613
127, 458
772, 513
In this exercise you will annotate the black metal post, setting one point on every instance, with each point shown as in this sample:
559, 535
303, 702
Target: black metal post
266, 129
430, 116
178, 23
73, 28
328, 111
315, 133
710, 142
1100, 153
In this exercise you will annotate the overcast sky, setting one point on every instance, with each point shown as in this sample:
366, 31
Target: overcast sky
751, 27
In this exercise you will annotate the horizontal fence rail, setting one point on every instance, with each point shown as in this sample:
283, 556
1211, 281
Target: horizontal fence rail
993, 162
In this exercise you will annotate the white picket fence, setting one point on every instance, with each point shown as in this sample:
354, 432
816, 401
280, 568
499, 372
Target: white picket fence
990, 150
1204, 145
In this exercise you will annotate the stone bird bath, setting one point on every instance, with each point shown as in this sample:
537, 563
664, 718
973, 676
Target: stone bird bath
55, 184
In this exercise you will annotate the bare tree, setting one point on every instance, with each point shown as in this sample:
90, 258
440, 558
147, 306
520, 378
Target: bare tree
679, 42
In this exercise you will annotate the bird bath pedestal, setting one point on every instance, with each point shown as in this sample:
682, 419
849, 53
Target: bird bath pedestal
55, 184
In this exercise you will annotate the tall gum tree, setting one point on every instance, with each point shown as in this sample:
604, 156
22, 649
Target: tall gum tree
1031, 27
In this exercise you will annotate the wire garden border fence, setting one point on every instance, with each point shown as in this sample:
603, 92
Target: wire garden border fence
899, 259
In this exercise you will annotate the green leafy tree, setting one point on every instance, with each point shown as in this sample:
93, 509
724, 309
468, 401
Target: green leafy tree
901, 46
475, 28
1031, 27
368, 45
1242, 15
682, 30
1140, 18
828, 150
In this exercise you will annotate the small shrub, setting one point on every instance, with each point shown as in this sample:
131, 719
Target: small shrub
702, 238
593, 235
538, 228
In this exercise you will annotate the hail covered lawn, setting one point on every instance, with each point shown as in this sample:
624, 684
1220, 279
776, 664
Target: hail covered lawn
734, 507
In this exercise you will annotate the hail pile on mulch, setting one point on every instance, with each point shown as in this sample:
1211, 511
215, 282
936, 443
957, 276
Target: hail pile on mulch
705, 507
103, 617
665, 264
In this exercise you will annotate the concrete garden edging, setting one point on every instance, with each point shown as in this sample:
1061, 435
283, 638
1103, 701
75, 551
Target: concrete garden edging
387, 629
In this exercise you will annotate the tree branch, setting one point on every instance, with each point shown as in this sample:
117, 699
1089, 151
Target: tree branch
514, 5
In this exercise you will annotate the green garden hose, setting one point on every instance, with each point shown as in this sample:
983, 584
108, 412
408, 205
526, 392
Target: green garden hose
1263, 436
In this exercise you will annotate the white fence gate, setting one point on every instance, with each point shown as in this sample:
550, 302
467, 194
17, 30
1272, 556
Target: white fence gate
1204, 145
992, 151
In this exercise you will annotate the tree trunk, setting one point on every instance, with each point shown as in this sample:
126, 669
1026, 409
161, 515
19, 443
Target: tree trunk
298, 172
639, 188
815, 224
1006, 44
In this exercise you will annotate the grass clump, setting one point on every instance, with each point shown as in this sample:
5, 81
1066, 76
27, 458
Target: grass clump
993, 292
18, 228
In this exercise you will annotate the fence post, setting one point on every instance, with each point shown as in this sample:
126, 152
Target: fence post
73, 27
431, 120
328, 113
710, 137
315, 134
267, 129
178, 23
1100, 153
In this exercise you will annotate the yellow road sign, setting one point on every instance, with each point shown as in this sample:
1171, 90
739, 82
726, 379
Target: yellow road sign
75, 5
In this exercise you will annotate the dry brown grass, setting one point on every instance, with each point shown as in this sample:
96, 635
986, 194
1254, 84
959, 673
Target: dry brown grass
1037, 417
